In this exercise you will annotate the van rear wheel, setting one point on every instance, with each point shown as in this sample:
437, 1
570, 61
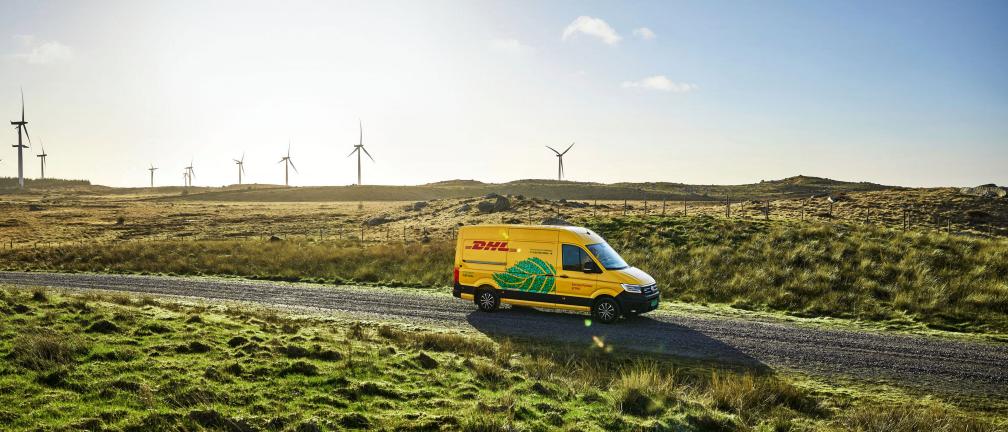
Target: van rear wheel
487, 299
606, 310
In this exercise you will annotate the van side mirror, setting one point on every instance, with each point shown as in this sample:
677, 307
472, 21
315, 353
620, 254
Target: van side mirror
590, 267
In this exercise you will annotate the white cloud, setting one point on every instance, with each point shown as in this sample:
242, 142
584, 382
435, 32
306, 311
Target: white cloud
660, 83
644, 33
593, 27
42, 52
511, 46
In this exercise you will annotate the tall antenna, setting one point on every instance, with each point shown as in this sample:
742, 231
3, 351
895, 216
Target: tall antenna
357, 149
42, 157
22, 126
241, 167
152, 169
559, 156
286, 160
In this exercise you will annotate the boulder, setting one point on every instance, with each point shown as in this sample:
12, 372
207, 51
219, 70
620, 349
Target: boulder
502, 204
377, 220
463, 208
485, 207
556, 221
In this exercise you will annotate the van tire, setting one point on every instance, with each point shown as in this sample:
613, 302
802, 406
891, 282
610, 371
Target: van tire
606, 310
487, 299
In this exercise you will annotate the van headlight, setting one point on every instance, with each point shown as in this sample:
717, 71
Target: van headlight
631, 288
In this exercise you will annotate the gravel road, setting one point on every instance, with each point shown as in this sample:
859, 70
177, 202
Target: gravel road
932, 363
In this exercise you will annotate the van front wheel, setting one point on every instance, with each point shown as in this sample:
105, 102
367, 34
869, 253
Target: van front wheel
606, 310
487, 300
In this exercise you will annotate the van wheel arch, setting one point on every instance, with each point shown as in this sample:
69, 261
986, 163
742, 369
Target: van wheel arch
486, 298
606, 309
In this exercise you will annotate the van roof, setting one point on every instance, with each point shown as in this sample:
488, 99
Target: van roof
582, 232
570, 228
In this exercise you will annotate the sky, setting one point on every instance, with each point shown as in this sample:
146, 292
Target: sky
907, 93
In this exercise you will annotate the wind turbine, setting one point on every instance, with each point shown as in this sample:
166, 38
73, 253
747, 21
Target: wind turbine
559, 156
185, 178
286, 160
42, 157
357, 149
22, 126
241, 166
189, 173
152, 169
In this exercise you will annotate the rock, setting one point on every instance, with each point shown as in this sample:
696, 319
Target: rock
274, 238
419, 205
556, 221
485, 207
35, 207
989, 190
377, 220
502, 204
463, 208
491, 195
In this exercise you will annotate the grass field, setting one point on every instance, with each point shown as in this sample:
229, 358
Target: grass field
901, 257
112, 362
945, 282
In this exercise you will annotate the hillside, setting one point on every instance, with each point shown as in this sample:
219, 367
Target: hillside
793, 187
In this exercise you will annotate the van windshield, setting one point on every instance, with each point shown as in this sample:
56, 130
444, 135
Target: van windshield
607, 256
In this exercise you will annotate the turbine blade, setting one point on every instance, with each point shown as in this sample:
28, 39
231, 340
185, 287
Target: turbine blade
360, 125
352, 152
554, 150
22, 105
292, 165
368, 154
243, 157
25, 129
568, 149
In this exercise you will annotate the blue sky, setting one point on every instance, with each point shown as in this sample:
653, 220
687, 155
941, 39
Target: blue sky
909, 93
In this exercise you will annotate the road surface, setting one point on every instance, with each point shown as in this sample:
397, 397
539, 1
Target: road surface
934, 363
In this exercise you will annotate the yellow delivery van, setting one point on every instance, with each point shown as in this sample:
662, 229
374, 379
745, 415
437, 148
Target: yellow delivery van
563, 267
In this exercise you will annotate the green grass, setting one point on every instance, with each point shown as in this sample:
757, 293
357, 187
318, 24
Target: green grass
875, 274
112, 362
880, 275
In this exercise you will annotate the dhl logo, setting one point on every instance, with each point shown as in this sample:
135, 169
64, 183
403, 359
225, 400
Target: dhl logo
489, 246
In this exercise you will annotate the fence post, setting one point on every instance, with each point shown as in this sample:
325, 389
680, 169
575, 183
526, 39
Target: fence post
766, 213
594, 207
684, 207
362, 234
624, 207
663, 207
645, 207
727, 206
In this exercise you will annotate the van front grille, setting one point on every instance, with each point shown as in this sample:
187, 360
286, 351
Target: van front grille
650, 289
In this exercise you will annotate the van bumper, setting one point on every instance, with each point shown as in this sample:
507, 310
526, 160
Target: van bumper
459, 289
638, 303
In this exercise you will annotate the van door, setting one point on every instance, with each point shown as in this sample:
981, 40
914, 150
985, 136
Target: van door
574, 285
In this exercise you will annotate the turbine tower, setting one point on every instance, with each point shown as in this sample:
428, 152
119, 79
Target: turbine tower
559, 156
22, 126
357, 149
152, 169
286, 160
189, 173
42, 157
185, 178
241, 166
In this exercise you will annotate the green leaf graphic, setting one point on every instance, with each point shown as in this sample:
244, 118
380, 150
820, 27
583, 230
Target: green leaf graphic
531, 275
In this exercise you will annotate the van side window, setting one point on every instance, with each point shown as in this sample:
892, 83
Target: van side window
574, 258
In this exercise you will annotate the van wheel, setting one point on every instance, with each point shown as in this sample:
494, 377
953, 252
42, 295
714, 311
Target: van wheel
487, 300
606, 310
